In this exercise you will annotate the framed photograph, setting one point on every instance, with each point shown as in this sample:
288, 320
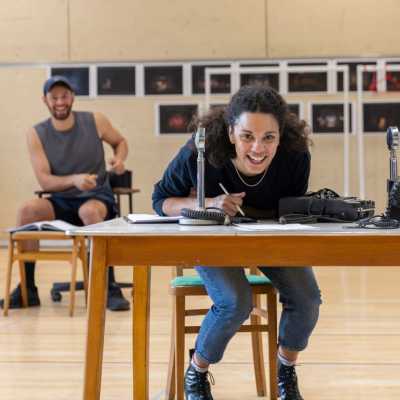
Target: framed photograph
165, 79
220, 83
393, 80
260, 79
175, 118
307, 81
369, 82
78, 76
329, 117
114, 81
379, 116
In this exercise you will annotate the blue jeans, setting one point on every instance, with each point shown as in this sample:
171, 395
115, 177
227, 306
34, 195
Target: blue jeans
231, 294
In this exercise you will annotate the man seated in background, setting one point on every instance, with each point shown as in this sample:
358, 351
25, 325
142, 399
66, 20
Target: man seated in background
67, 156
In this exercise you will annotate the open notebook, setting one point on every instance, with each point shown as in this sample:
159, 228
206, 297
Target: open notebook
56, 225
149, 219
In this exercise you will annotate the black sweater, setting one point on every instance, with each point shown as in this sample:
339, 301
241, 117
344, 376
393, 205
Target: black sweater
287, 175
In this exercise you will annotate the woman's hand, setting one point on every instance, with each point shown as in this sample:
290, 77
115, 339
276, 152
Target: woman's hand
227, 203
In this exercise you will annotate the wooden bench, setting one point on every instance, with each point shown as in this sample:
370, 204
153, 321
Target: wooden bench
15, 253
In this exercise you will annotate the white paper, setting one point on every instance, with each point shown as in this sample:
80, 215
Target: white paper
275, 227
150, 218
55, 225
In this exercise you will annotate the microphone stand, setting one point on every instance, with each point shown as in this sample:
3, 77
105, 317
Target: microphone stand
199, 215
393, 184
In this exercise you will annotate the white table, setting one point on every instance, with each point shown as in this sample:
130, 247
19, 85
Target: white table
116, 242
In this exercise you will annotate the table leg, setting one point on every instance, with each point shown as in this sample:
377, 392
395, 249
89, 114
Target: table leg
140, 332
96, 319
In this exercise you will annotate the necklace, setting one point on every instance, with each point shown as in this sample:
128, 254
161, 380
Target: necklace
249, 184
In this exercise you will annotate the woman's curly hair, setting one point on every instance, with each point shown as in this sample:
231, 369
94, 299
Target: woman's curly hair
218, 121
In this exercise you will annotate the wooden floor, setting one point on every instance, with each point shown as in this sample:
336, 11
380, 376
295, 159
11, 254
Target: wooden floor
353, 354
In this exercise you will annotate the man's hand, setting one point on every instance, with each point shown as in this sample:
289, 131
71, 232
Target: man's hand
85, 181
117, 165
227, 203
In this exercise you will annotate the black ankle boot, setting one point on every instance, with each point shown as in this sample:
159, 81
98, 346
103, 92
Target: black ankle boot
287, 383
115, 299
197, 386
16, 298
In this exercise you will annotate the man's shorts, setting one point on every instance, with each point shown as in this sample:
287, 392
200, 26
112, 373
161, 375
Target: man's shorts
67, 209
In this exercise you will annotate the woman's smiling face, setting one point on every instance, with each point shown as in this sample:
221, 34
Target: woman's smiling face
256, 139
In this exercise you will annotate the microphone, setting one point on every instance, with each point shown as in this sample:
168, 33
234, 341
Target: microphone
393, 183
200, 142
392, 140
200, 216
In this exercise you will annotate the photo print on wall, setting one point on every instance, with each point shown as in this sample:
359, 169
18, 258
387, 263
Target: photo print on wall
260, 79
307, 81
119, 80
220, 83
160, 80
78, 76
379, 116
329, 118
175, 118
393, 78
368, 78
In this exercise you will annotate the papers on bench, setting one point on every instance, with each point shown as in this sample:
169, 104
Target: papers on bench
275, 227
149, 219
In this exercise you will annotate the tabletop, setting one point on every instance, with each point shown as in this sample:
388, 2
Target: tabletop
119, 227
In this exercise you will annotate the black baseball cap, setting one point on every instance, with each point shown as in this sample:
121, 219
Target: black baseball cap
57, 80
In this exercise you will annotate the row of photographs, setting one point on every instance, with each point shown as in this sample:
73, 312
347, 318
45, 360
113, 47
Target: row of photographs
169, 79
324, 118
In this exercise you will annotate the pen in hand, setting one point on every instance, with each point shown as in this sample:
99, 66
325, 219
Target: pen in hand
227, 193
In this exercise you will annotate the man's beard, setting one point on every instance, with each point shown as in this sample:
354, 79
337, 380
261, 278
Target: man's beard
61, 116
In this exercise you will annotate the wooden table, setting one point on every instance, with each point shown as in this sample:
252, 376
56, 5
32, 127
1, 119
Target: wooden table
116, 242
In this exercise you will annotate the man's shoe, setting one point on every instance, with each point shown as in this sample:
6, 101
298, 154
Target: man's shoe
115, 299
16, 298
287, 383
197, 386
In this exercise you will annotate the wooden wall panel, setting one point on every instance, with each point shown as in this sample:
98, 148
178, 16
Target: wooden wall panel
22, 108
311, 28
157, 30
33, 31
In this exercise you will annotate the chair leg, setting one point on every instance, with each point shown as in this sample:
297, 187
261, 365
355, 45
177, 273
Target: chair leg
179, 345
24, 291
85, 266
258, 354
272, 344
74, 258
170, 389
8, 276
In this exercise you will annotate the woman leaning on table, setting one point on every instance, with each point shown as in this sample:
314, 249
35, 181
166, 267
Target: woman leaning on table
258, 150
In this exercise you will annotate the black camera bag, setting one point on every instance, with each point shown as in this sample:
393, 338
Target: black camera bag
326, 205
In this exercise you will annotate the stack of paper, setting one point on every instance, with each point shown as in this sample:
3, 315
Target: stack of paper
275, 227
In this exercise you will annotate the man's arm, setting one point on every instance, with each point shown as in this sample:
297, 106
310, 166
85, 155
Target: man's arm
118, 143
46, 179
